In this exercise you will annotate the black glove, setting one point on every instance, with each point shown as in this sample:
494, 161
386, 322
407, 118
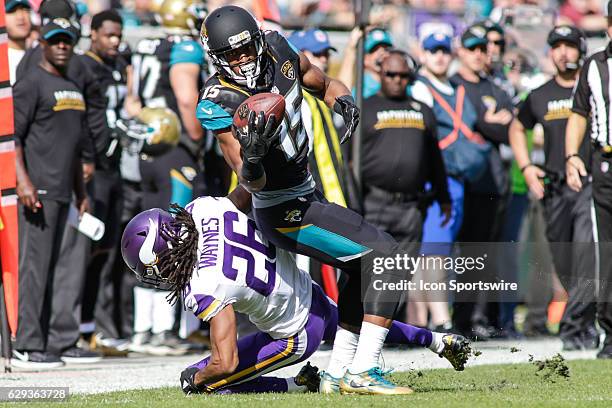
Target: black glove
256, 139
188, 381
345, 106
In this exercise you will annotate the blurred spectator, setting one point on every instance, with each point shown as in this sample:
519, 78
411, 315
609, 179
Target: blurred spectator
400, 155
49, 127
104, 280
168, 72
455, 118
75, 247
484, 197
376, 44
586, 14
18, 28
496, 47
568, 213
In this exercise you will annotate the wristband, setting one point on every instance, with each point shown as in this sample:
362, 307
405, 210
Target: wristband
569, 156
252, 171
525, 167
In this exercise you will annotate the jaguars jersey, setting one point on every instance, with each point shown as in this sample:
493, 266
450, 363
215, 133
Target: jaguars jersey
238, 266
112, 80
152, 62
286, 163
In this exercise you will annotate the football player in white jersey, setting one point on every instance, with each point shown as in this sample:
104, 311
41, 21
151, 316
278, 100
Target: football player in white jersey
211, 255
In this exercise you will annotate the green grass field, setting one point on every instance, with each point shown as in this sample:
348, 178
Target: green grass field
589, 383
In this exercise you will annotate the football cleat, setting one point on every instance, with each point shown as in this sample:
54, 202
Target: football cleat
308, 376
456, 350
329, 384
371, 382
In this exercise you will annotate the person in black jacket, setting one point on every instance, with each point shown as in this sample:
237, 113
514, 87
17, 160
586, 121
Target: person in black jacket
485, 197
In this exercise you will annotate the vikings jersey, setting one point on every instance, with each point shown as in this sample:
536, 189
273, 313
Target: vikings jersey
112, 80
236, 265
286, 163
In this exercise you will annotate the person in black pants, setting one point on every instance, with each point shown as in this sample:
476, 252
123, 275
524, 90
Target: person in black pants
49, 127
485, 197
592, 99
568, 213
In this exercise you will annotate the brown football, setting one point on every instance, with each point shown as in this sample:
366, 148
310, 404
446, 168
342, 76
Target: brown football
267, 102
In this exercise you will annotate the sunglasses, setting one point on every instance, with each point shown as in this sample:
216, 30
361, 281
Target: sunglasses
402, 75
499, 43
481, 48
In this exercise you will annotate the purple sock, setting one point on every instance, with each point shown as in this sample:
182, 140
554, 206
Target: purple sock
402, 333
259, 384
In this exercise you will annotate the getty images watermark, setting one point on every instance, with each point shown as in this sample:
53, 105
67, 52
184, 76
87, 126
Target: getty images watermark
427, 266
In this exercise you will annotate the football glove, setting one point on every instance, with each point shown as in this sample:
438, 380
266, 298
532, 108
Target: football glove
188, 381
345, 106
256, 138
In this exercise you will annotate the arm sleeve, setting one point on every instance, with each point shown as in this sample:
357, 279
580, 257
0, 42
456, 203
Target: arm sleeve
98, 132
205, 307
25, 97
525, 113
582, 93
437, 169
496, 133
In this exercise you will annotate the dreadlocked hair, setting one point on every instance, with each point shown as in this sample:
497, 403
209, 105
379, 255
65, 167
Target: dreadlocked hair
177, 263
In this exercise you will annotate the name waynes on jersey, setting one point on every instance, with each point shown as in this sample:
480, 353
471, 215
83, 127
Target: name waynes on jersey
210, 243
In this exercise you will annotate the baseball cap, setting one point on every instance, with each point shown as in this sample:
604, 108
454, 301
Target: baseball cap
11, 4
490, 25
568, 34
312, 40
377, 37
59, 26
474, 35
436, 41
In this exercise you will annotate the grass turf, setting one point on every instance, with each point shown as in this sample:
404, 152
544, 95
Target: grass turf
589, 383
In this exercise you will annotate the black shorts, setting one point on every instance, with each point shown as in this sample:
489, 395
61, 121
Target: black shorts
327, 232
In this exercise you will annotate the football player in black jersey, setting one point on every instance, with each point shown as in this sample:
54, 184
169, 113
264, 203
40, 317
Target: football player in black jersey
103, 59
168, 73
272, 165
567, 212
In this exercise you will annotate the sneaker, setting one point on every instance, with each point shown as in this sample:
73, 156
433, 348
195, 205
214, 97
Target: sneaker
106, 346
308, 376
36, 359
371, 382
167, 343
328, 384
606, 352
456, 350
572, 343
140, 342
77, 355
590, 338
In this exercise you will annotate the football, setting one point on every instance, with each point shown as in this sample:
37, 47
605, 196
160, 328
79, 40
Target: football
267, 102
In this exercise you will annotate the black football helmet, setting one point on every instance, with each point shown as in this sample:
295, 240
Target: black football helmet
228, 29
